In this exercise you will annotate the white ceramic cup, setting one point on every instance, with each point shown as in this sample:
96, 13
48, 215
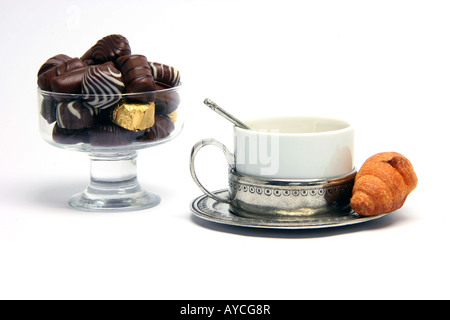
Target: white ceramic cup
287, 166
294, 148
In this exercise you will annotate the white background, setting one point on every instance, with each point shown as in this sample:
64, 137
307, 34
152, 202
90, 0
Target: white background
383, 65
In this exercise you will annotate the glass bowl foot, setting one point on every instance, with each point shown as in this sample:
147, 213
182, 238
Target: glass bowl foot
129, 202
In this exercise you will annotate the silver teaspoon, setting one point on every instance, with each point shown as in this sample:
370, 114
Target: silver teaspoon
212, 105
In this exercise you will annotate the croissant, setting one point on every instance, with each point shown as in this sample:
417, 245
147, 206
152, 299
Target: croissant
382, 184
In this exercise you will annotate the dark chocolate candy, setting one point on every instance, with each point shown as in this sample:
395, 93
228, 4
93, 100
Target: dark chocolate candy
108, 48
68, 136
53, 62
89, 62
48, 109
165, 74
87, 57
162, 128
165, 102
102, 85
45, 79
69, 82
74, 115
104, 116
137, 75
109, 135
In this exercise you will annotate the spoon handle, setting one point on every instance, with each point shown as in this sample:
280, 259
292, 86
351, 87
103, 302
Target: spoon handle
211, 104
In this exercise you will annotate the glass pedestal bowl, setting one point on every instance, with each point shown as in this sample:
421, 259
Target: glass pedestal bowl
111, 137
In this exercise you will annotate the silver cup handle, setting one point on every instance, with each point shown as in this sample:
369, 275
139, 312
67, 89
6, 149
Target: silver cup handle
230, 159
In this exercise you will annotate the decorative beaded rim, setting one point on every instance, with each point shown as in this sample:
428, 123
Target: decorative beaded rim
288, 188
301, 191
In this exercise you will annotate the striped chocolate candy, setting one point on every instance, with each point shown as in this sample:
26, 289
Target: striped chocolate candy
102, 85
108, 48
165, 74
137, 76
45, 78
53, 62
74, 115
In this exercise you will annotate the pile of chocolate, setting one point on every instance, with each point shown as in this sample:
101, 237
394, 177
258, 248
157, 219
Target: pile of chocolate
108, 96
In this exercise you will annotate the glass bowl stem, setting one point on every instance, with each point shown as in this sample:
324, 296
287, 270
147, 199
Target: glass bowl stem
113, 185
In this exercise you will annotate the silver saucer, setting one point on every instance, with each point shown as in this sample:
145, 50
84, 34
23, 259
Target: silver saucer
209, 209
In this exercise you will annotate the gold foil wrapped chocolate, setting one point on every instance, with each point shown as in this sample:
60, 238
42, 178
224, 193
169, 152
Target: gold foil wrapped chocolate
173, 116
134, 116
